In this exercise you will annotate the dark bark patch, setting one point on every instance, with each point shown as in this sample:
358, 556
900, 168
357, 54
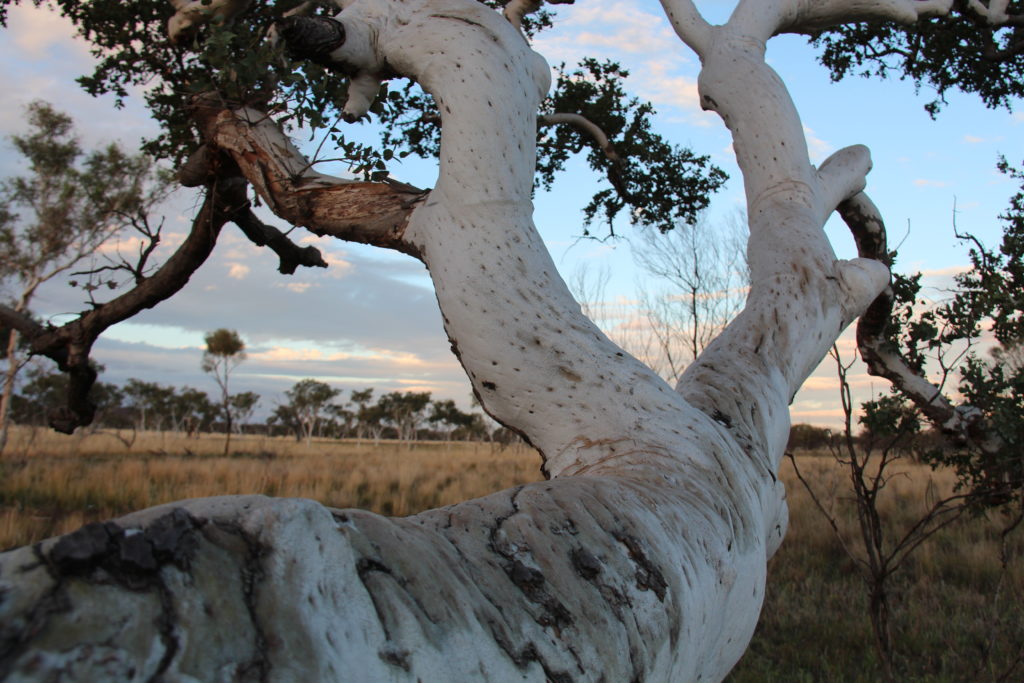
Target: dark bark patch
365, 565
130, 555
395, 657
585, 564
719, 416
648, 575
569, 374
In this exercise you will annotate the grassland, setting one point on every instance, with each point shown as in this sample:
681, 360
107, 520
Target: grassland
958, 608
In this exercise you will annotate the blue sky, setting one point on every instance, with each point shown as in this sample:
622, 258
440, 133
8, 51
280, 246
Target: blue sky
371, 319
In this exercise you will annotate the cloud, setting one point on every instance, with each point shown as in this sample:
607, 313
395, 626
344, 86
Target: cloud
38, 31
921, 182
822, 416
661, 83
817, 148
661, 70
238, 271
617, 26
944, 273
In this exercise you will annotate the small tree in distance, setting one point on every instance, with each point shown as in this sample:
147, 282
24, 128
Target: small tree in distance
224, 351
308, 402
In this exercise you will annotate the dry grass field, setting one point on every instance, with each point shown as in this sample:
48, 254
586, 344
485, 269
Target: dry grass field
51, 483
958, 613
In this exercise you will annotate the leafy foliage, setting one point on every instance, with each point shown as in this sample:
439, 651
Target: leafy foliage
959, 51
308, 401
68, 204
659, 183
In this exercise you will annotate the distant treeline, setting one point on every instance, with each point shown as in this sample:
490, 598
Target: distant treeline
808, 438
310, 409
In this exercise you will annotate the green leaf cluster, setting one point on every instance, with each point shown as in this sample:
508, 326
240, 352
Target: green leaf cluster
957, 52
657, 183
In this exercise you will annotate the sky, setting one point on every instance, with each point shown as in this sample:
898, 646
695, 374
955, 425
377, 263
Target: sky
371, 319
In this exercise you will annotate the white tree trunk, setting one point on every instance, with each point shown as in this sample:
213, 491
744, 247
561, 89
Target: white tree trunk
643, 557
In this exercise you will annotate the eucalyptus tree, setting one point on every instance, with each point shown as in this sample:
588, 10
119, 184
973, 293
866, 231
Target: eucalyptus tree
644, 555
404, 411
51, 219
310, 400
224, 351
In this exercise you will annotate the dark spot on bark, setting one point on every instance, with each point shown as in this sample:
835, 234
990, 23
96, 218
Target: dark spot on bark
365, 565
585, 564
719, 416
526, 578
490, 385
532, 583
395, 657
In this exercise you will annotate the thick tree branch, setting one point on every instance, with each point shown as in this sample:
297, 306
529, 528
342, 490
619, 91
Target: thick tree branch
371, 213
688, 23
70, 344
765, 19
843, 175
24, 324
515, 10
203, 165
995, 13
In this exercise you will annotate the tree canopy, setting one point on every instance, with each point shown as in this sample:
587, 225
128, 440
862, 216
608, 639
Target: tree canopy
978, 47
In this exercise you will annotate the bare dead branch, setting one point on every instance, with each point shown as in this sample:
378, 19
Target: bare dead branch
292, 256
882, 359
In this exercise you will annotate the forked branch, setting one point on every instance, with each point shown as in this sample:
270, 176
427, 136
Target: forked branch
69, 345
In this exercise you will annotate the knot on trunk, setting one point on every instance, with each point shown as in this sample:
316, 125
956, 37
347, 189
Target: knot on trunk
312, 38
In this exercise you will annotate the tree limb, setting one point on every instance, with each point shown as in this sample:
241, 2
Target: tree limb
292, 255
70, 344
370, 213
962, 423
515, 10
995, 13
688, 23
24, 324
811, 16
587, 126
